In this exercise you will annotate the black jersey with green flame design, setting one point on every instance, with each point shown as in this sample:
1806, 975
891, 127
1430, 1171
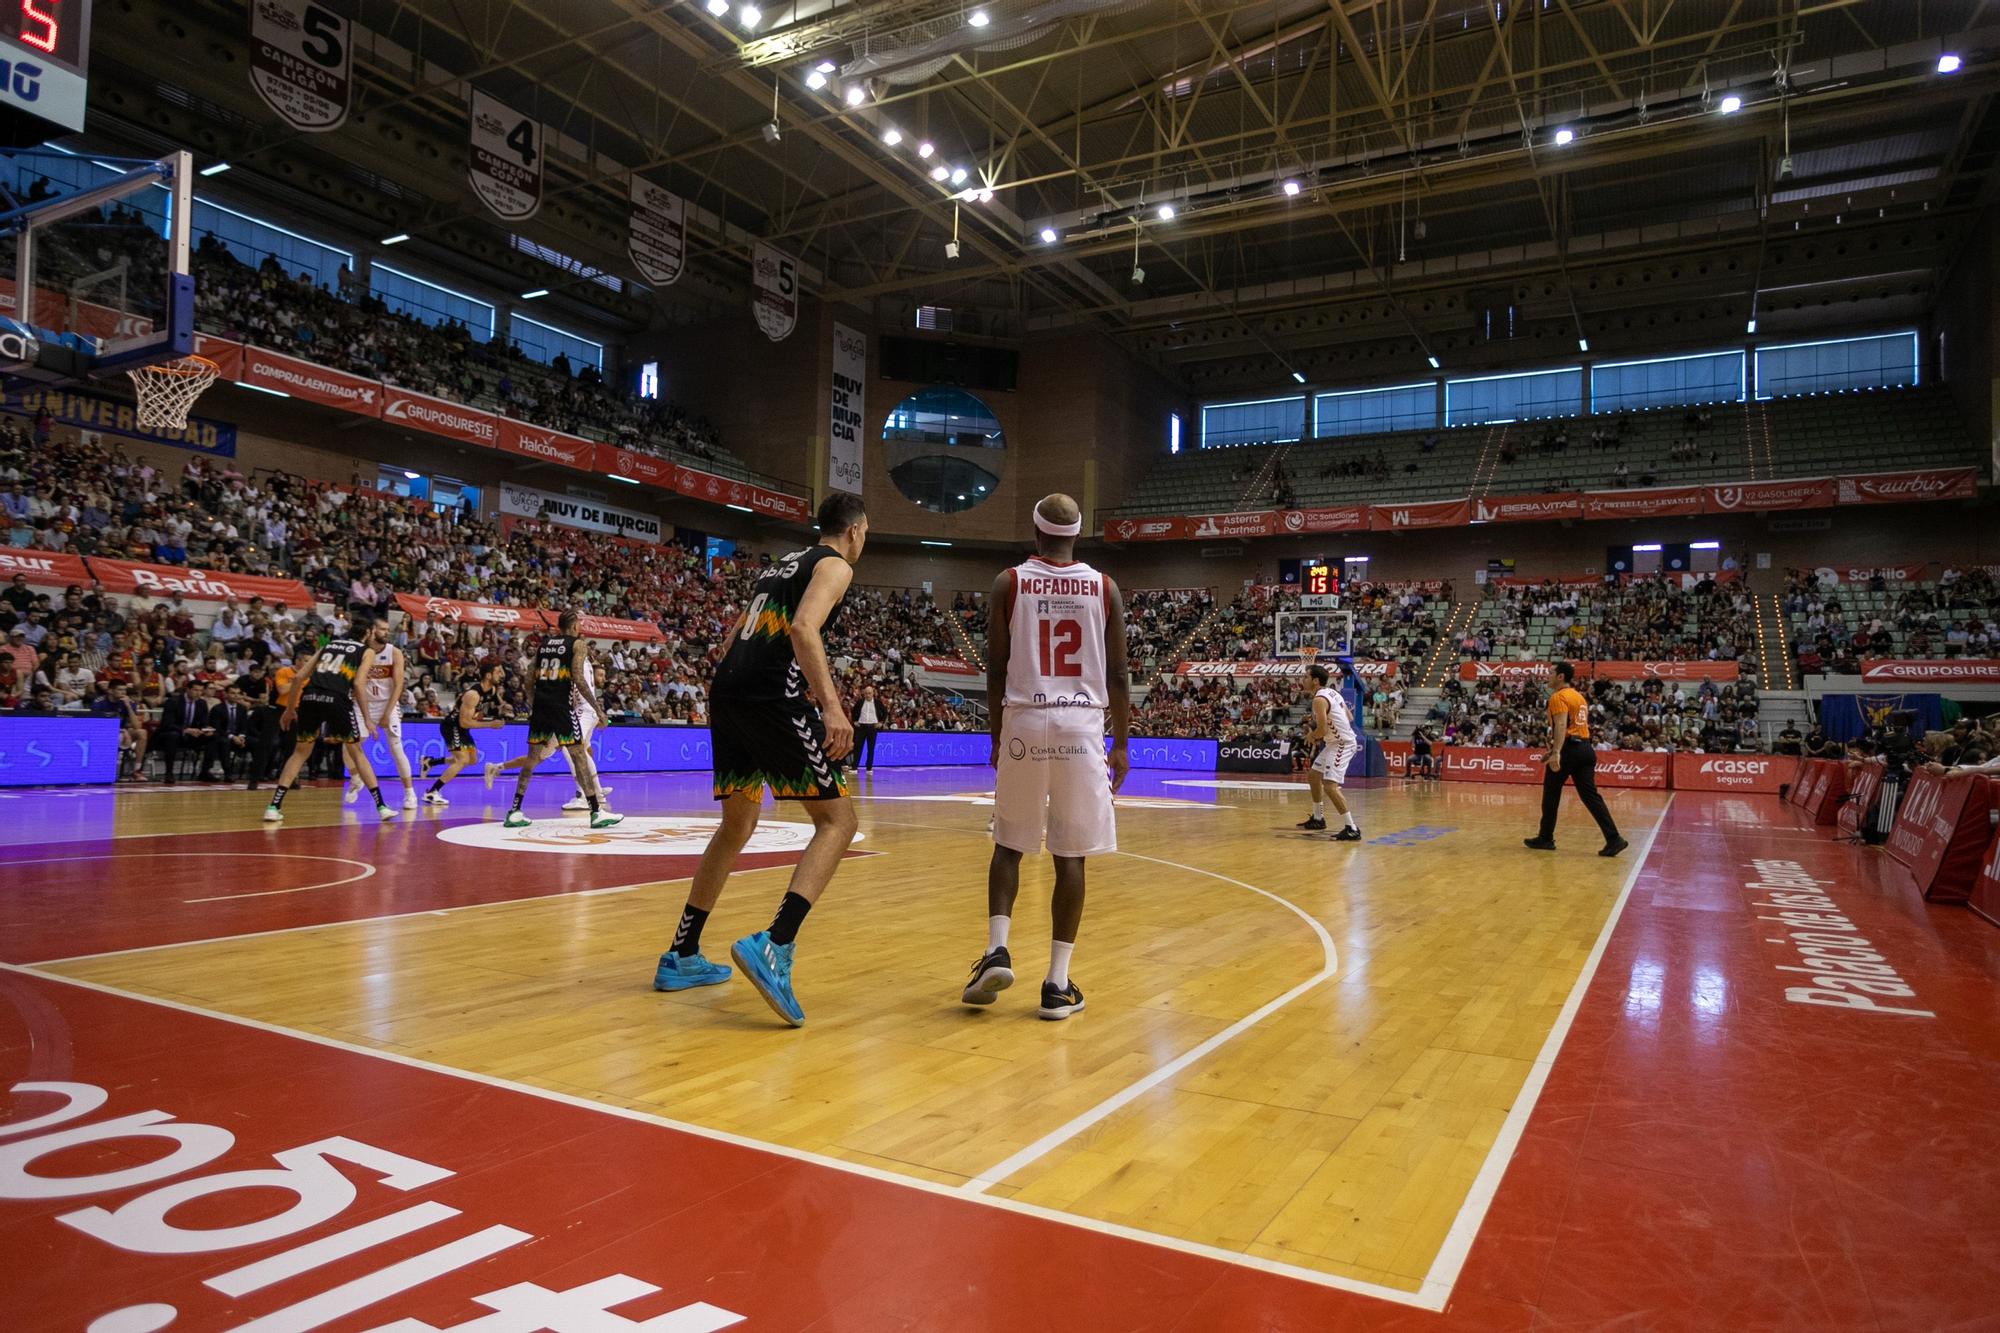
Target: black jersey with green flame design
339, 663
553, 678
759, 664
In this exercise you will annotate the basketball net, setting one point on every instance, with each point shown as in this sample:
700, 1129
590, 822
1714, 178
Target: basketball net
168, 389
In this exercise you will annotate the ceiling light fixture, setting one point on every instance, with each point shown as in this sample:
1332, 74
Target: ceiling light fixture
978, 18
925, 149
1564, 136
215, 170
1751, 327
1731, 105
536, 294
1299, 376
1291, 189
1433, 360
1166, 213
750, 16
718, 7
985, 196
857, 93
939, 172
1583, 344
1949, 63
397, 239
958, 175
826, 67
1048, 236
892, 136
815, 80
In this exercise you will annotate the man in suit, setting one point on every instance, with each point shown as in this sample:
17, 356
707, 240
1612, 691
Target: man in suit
183, 723
229, 721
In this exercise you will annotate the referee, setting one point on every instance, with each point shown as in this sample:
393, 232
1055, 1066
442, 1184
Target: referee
1570, 759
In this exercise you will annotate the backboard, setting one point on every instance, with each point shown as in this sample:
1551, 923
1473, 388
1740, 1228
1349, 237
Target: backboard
95, 265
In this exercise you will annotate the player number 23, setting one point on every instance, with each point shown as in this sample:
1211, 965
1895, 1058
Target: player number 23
1061, 639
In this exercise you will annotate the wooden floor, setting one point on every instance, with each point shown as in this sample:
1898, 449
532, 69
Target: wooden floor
1416, 978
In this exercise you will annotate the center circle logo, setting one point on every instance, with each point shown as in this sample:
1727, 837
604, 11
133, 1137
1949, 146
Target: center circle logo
1017, 750
686, 835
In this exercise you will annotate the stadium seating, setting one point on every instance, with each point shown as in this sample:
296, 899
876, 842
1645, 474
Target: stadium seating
1831, 627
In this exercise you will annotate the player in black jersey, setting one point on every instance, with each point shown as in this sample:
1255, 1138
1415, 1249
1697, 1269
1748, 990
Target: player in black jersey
560, 684
457, 730
326, 705
767, 732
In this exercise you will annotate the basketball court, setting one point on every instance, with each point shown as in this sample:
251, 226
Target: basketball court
1431, 1080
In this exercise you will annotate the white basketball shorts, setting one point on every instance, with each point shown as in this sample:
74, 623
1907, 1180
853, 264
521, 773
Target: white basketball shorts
1052, 784
1331, 759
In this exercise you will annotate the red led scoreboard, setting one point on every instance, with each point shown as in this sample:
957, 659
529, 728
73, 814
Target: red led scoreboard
1319, 585
44, 64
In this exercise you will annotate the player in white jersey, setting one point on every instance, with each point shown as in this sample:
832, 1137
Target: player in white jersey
382, 702
1055, 653
1335, 743
589, 718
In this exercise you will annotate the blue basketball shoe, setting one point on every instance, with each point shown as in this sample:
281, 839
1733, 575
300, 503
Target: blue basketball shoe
768, 967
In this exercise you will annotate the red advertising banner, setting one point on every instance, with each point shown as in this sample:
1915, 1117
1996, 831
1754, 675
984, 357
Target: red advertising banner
1754, 496
1559, 580
1985, 898
310, 383
227, 355
950, 666
1869, 573
1867, 781
654, 471
1632, 768
1681, 671
1151, 529
1958, 483
1430, 514
470, 613
615, 627
546, 446
44, 569
1940, 671
1941, 830
135, 579
1657, 502
1795, 789
1823, 789
1733, 772
630, 463
438, 416
1367, 668
1336, 518
1526, 508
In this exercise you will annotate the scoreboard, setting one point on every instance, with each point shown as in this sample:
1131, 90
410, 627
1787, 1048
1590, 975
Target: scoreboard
1319, 585
44, 66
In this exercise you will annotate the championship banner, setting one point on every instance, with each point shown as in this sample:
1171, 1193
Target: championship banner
1754, 496
438, 416
1733, 772
1946, 671
310, 383
302, 63
1959, 483
1941, 831
657, 240
848, 410
1658, 502
774, 292
134, 578
1364, 667
1527, 508
43, 569
470, 613
506, 165
949, 666
203, 436
227, 355
1918, 573
574, 512
1433, 514
1333, 518
547, 446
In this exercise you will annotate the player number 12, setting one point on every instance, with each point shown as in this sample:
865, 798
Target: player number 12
1061, 639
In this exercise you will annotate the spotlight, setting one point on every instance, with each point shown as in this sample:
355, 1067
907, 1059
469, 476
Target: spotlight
938, 173
815, 80
1048, 236
1564, 136
215, 170
958, 175
750, 16
857, 93
1166, 213
1949, 63
1291, 188
1583, 344
718, 7
1433, 360
771, 132
951, 249
985, 196
924, 149
1731, 105
977, 19
826, 67
892, 136
1750, 327
1138, 276
1299, 376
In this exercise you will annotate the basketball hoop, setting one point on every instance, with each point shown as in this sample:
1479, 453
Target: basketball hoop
167, 389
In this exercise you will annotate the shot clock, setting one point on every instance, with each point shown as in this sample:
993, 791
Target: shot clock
44, 66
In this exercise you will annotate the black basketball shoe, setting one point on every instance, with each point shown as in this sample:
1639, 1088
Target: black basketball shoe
990, 975
1313, 825
1348, 834
1060, 1002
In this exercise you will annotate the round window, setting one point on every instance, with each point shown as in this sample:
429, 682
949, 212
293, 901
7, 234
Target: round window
945, 449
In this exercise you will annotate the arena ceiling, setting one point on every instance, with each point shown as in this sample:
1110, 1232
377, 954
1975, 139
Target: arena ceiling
1436, 213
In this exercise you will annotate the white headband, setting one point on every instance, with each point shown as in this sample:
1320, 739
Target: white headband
1058, 529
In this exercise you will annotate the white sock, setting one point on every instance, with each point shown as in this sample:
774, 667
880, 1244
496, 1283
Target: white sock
1350, 820
1059, 962
1319, 809
996, 932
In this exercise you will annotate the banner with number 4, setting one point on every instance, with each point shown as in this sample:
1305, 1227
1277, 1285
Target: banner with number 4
506, 168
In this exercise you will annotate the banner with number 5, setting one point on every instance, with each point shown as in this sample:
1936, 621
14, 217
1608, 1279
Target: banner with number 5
774, 295
506, 168
302, 63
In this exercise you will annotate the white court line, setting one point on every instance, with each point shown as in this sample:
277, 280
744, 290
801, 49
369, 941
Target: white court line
1451, 1255
1131, 1092
1419, 1300
367, 870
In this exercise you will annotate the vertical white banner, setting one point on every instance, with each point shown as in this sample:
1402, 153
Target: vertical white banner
847, 412
301, 62
658, 241
774, 291
506, 166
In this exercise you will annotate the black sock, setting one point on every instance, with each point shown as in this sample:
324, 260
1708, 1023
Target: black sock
278, 796
687, 939
437, 786
791, 915
375, 795
517, 801
592, 798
